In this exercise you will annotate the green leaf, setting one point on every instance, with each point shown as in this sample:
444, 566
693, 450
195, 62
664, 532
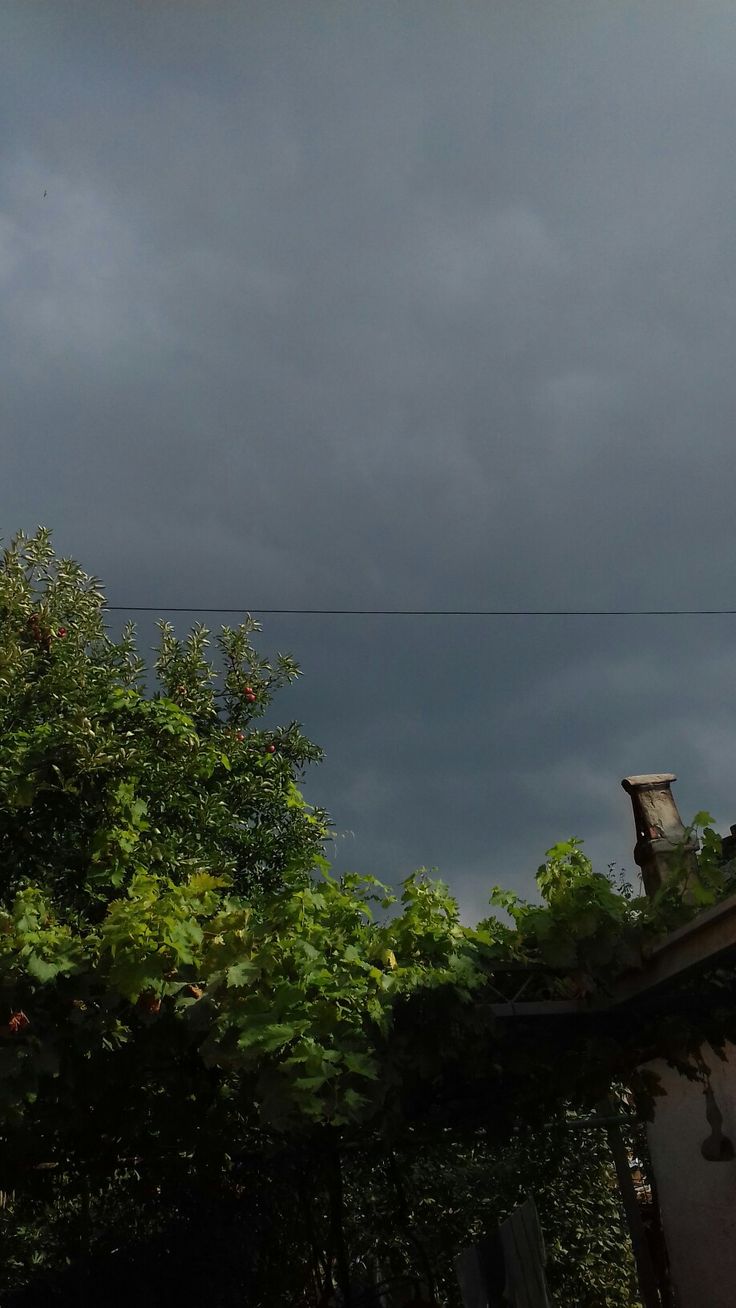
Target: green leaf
42, 969
362, 1065
270, 1037
356, 1101
242, 973
310, 1082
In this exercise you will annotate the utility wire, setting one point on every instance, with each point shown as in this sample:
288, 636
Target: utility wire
436, 613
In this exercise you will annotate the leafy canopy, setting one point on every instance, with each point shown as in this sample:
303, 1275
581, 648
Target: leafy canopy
170, 932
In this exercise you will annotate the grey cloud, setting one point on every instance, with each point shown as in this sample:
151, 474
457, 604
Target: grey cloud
383, 306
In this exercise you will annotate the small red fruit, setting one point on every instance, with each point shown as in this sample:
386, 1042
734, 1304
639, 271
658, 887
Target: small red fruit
239, 735
250, 696
61, 632
18, 1022
270, 749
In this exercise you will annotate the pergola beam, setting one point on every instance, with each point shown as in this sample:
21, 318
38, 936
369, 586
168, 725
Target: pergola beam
705, 942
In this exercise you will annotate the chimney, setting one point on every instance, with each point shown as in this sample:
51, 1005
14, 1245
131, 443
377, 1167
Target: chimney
728, 846
661, 839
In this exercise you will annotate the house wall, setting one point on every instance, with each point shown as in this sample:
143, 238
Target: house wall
697, 1198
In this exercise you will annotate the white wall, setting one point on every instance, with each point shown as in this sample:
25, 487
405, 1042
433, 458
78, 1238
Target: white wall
697, 1198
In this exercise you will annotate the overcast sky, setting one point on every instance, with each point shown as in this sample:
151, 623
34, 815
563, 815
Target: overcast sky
410, 304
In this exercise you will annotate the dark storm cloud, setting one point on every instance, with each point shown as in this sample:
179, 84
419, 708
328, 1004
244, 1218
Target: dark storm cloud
397, 305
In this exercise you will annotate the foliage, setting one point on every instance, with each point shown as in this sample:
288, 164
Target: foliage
100, 780
183, 983
128, 821
421, 1206
264, 1236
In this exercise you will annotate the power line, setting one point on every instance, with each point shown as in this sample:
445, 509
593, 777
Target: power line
433, 613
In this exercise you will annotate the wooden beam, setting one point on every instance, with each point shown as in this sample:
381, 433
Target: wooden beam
709, 939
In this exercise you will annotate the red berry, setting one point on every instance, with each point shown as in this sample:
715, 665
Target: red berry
61, 632
18, 1022
270, 749
239, 735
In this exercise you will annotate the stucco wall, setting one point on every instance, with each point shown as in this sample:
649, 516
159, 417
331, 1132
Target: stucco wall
697, 1198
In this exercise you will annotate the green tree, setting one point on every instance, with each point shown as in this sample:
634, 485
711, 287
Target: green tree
129, 820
